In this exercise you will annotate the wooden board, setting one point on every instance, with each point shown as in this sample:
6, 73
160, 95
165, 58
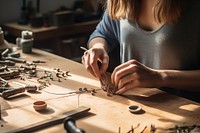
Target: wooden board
52, 121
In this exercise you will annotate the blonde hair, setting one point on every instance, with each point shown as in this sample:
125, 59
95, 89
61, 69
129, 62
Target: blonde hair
164, 11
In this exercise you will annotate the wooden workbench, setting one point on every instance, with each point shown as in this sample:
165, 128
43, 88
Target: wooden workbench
107, 114
53, 34
43, 33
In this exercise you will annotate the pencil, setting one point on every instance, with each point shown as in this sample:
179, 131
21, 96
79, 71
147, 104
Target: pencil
83, 48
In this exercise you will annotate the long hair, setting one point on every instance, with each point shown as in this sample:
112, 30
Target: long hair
164, 11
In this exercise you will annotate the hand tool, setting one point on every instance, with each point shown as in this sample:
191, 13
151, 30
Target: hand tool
5, 52
8, 91
14, 54
9, 74
70, 126
3, 82
14, 59
7, 62
39, 61
27, 87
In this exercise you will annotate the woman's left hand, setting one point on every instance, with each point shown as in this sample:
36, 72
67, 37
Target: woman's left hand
133, 74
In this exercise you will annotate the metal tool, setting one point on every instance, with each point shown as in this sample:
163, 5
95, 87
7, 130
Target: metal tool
3, 82
14, 54
70, 126
14, 59
39, 61
5, 52
8, 91
27, 87
7, 62
9, 74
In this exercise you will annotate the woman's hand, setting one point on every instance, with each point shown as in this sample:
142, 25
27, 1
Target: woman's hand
133, 74
93, 57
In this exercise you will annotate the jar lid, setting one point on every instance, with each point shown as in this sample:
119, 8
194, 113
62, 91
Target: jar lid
27, 34
134, 108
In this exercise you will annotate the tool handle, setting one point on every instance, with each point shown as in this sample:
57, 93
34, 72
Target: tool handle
15, 59
7, 62
9, 75
2, 89
30, 87
70, 126
11, 92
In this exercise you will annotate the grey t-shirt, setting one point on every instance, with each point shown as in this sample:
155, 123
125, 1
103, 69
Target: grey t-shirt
174, 46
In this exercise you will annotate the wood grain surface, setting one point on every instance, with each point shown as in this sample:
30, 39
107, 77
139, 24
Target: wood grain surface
107, 114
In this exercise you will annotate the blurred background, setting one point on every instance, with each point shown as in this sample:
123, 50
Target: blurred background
58, 26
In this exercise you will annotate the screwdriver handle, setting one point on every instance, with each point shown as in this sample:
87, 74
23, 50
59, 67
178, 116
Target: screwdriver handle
15, 59
11, 92
70, 126
31, 87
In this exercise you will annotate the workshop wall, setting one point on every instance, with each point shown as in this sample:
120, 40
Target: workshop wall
10, 9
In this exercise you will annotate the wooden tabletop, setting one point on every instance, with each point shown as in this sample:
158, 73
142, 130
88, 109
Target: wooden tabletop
53, 36
107, 114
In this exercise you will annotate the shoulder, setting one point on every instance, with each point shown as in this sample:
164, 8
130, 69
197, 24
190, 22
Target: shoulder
109, 24
108, 19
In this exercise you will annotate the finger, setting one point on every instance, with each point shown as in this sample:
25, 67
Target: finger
129, 64
126, 79
94, 65
126, 64
86, 63
127, 87
122, 66
121, 73
104, 65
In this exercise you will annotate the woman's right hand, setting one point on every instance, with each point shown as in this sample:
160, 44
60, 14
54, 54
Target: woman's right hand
92, 58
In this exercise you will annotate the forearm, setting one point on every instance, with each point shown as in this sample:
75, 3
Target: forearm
99, 43
183, 80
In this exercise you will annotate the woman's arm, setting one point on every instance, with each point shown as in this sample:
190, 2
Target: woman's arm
183, 80
132, 74
99, 42
106, 32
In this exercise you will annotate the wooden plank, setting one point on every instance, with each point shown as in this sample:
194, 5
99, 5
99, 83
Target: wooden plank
53, 121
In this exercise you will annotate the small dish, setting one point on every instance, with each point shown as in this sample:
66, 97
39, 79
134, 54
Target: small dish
134, 108
39, 105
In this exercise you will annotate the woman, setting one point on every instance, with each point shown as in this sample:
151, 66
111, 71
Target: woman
159, 44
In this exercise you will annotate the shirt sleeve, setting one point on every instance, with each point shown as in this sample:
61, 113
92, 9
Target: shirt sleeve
107, 29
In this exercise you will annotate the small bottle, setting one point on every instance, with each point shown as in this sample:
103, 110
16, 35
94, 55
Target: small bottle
18, 43
27, 41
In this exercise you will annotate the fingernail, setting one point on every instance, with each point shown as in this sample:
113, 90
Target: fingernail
117, 92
